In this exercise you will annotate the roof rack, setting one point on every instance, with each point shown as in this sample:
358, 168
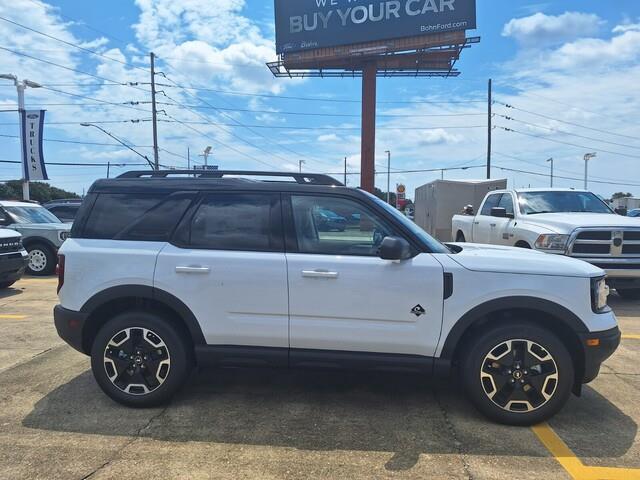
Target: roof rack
300, 178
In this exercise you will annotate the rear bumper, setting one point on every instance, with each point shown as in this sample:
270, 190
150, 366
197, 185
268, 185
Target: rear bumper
70, 325
594, 356
12, 266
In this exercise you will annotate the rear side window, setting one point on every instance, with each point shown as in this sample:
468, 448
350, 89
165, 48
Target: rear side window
237, 221
124, 216
491, 202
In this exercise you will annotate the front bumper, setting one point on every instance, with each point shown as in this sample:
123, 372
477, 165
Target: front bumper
594, 355
70, 325
12, 266
616, 268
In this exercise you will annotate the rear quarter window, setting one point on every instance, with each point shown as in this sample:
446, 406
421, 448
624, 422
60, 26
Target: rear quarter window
132, 216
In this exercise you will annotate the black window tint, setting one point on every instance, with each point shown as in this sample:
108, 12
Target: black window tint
336, 226
506, 202
64, 212
113, 213
158, 223
248, 222
492, 201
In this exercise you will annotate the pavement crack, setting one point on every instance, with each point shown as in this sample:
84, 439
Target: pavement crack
137, 435
454, 434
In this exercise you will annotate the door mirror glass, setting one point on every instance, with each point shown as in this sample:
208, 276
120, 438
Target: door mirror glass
499, 212
394, 248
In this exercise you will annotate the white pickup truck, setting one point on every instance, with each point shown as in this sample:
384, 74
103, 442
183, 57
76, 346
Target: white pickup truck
575, 223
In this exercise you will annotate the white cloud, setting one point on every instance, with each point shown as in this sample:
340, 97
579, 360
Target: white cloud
331, 137
540, 29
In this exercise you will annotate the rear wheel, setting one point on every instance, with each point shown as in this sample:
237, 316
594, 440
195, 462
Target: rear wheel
460, 238
518, 374
629, 293
140, 359
42, 260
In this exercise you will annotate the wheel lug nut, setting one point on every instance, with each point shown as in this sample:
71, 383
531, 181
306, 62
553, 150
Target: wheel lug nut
522, 381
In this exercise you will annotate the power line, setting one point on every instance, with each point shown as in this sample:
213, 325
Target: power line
567, 143
566, 178
427, 170
78, 142
104, 122
69, 164
564, 121
105, 102
564, 132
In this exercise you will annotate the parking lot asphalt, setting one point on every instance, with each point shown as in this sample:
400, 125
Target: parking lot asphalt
55, 423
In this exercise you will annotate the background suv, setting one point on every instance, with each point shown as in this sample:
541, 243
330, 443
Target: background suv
13, 258
163, 271
65, 210
42, 233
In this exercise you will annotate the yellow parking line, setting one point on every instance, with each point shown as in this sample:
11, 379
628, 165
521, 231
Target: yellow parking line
572, 464
12, 317
631, 337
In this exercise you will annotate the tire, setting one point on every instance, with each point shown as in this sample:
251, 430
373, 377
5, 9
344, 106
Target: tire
460, 238
164, 351
629, 293
42, 260
6, 285
524, 245
504, 397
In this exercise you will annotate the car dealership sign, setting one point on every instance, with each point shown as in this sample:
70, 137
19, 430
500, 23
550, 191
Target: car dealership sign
311, 24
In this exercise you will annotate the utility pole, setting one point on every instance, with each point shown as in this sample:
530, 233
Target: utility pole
188, 159
551, 160
108, 169
345, 171
489, 129
20, 87
587, 157
300, 163
388, 152
154, 112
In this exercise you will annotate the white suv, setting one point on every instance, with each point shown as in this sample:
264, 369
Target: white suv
164, 271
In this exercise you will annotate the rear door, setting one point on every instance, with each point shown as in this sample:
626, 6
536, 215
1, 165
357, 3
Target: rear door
343, 296
484, 223
227, 264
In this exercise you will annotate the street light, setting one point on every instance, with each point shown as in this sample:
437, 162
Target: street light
388, 152
120, 142
20, 87
551, 160
205, 155
587, 157
300, 163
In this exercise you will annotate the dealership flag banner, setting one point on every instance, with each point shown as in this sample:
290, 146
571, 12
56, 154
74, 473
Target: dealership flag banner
32, 156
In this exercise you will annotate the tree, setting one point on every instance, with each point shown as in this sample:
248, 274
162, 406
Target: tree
40, 192
618, 195
383, 196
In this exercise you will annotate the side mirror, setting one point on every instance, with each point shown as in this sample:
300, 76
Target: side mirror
4, 222
394, 248
499, 212
468, 210
622, 211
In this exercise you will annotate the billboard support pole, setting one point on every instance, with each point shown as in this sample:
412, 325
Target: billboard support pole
490, 128
368, 140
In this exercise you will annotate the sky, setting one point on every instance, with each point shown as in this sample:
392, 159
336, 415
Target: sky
565, 79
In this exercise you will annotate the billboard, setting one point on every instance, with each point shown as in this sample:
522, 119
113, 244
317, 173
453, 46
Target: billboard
310, 24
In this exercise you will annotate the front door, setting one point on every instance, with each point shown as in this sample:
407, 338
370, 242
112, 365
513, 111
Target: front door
484, 224
228, 266
342, 296
502, 234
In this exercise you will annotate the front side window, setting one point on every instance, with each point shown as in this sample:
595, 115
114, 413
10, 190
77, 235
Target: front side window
336, 226
235, 221
491, 202
532, 203
506, 202
35, 214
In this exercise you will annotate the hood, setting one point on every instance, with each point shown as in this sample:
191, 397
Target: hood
498, 259
61, 227
568, 222
6, 233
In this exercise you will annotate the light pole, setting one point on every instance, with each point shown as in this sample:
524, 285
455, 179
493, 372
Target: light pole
21, 87
300, 163
388, 152
120, 142
587, 157
205, 154
551, 160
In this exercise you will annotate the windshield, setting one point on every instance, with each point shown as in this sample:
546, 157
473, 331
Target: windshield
532, 203
35, 214
434, 245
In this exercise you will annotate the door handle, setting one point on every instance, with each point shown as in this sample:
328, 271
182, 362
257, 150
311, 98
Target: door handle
493, 224
319, 274
196, 270
476, 223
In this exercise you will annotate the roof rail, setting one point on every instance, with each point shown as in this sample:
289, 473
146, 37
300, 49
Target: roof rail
301, 178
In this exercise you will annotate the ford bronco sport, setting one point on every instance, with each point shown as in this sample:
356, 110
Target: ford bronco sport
164, 270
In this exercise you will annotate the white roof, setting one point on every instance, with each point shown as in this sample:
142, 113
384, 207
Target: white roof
535, 190
11, 203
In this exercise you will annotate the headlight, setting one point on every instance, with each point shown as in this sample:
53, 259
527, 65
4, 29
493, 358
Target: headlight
63, 236
552, 242
599, 295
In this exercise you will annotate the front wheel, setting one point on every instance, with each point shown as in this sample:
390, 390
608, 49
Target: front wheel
140, 359
42, 260
629, 293
518, 374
